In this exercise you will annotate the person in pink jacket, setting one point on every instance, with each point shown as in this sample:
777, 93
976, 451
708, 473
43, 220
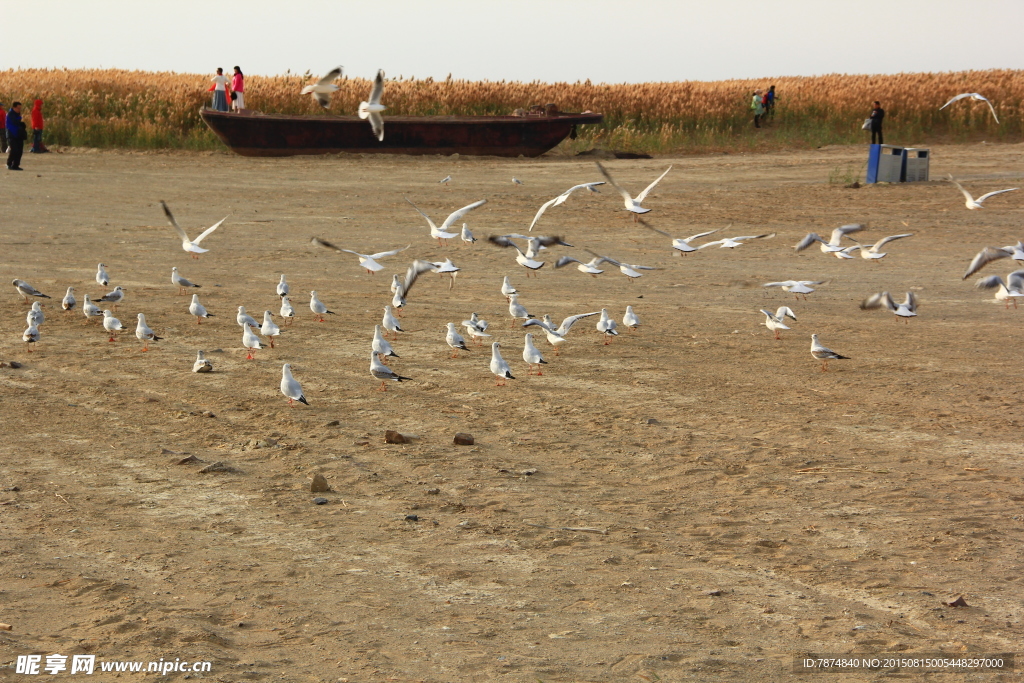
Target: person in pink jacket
238, 90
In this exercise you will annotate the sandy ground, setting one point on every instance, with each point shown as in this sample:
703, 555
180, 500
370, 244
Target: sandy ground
693, 501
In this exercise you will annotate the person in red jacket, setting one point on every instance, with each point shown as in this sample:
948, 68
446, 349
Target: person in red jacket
37, 128
3, 129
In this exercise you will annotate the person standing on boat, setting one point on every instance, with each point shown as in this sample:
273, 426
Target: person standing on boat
237, 90
220, 94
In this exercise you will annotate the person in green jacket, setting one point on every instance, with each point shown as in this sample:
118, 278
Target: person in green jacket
758, 108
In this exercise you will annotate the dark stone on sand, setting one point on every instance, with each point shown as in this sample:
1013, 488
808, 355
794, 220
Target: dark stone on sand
391, 436
412, 518
464, 439
319, 484
319, 501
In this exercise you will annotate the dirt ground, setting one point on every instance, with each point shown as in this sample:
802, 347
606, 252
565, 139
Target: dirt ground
694, 501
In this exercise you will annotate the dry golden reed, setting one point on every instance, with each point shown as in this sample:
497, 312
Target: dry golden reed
114, 108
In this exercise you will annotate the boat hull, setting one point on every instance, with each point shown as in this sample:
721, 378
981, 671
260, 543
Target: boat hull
263, 135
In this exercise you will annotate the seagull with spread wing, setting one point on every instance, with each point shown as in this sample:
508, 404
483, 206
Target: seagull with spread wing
1010, 289
631, 204
367, 261
972, 203
834, 243
974, 96
322, 89
442, 232
190, 246
905, 310
372, 109
556, 335
560, 199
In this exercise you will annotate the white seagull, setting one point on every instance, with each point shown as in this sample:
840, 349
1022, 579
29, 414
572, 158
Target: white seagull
396, 284
322, 89
143, 333
972, 203
630, 203
874, 251
35, 315
442, 232
1010, 289
977, 98
834, 243
823, 353
269, 328
556, 335
466, 235
290, 386
507, 289
282, 287
499, 367
101, 275
244, 319
560, 199
202, 364
683, 244
796, 287
390, 322
191, 246
455, 340
907, 309
517, 310
532, 356
250, 342
631, 319
776, 321
381, 345
733, 242
181, 282
26, 290
198, 310
590, 267
111, 325
382, 372
69, 302
90, 309
113, 297
30, 336
444, 181
372, 109
475, 327
516, 181
287, 310
317, 307
607, 326
367, 261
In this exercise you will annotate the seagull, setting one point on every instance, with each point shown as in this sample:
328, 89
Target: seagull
202, 364
396, 284
390, 322
198, 310
290, 386
907, 309
974, 96
466, 235
776, 321
630, 270
499, 367
556, 335
986, 256
287, 310
517, 310
455, 340
26, 290
516, 181
630, 319
971, 202
607, 326
507, 289
269, 328
35, 315
101, 275
143, 333
444, 181
90, 309
322, 89
733, 242
527, 259
532, 356
796, 287
191, 246
30, 336
475, 327
182, 283
412, 274
372, 109
69, 302
631, 204
683, 245
111, 325
590, 267
317, 307
1010, 289
823, 353
367, 261
398, 302
244, 319
442, 232
381, 345
560, 199
250, 342
448, 268
383, 372
834, 242
113, 297
282, 287
873, 252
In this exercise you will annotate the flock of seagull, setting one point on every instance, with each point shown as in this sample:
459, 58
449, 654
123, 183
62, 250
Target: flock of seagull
529, 254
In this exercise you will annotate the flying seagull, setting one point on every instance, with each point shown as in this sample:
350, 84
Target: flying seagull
190, 246
974, 96
972, 203
373, 108
322, 89
631, 204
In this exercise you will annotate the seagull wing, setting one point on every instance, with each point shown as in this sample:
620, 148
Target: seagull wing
961, 188
560, 199
540, 323
429, 222
322, 99
566, 260
992, 109
701, 234
874, 301
563, 329
378, 87
783, 312
544, 207
327, 245
382, 254
210, 229
1016, 281
837, 234
415, 269
911, 302
983, 258
651, 227
377, 125
885, 240
708, 244
752, 237
174, 223
787, 283
989, 194
457, 215
647, 190
958, 97
990, 282
611, 181
330, 77
807, 241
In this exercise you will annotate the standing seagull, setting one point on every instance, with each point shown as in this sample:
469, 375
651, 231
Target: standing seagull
466, 235
144, 333
69, 302
191, 246
390, 322
631, 319
607, 326
113, 297
381, 346
444, 181
631, 204
111, 325
317, 307
322, 89
202, 364
290, 386
198, 310
101, 275
287, 310
499, 367
30, 336
507, 289
35, 315
972, 203
244, 319
977, 98
250, 342
516, 181
560, 199
532, 356
777, 321
282, 287
824, 354
455, 340
182, 283
91, 310
905, 310
383, 372
517, 310
26, 290
373, 108
367, 261
269, 329
442, 232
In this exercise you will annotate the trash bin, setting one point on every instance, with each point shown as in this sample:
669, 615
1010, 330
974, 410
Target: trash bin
916, 164
885, 164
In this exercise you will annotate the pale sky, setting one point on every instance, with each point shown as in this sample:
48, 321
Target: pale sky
548, 40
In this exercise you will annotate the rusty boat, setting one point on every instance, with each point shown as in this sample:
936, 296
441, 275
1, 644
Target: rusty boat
251, 133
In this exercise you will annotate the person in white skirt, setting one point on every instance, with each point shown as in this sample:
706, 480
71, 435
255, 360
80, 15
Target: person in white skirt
220, 95
238, 90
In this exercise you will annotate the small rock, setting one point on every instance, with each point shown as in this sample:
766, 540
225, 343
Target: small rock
217, 467
12, 488
333, 423
651, 421
319, 501
11, 364
360, 443
146, 399
715, 592
189, 460
434, 492
412, 518
266, 443
959, 602
319, 484
208, 413
529, 472
168, 451
464, 439
391, 436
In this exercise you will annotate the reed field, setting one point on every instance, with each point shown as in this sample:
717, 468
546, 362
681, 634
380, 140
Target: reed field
148, 110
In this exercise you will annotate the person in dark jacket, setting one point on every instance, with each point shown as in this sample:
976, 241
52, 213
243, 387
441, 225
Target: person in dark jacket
3, 129
37, 128
877, 114
16, 135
